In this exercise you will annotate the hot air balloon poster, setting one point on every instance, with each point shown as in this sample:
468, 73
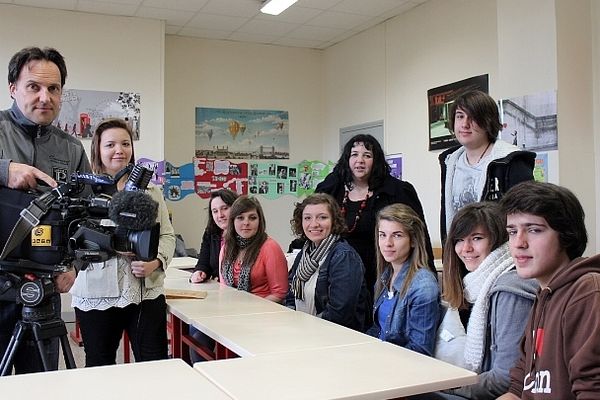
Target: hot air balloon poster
227, 133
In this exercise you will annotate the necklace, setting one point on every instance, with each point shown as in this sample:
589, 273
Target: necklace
363, 205
481, 156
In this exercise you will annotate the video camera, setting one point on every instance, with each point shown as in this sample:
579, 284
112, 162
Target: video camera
46, 234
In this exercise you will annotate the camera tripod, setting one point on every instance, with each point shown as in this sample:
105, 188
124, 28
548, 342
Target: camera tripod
38, 323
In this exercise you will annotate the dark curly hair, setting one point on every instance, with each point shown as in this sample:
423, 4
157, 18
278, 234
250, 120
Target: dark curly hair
24, 56
338, 225
381, 169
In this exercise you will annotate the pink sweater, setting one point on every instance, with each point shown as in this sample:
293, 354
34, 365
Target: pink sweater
269, 274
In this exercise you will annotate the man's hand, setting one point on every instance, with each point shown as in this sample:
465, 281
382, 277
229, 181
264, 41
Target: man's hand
23, 176
64, 281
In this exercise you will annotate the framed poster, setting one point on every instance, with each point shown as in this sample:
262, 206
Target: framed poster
440, 100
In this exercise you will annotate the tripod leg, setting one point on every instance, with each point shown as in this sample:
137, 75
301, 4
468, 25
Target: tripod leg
67, 352
11, 350
43, 355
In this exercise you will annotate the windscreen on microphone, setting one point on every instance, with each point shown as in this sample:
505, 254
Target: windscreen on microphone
136, 211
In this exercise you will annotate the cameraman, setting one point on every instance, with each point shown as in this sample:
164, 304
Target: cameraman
33, 152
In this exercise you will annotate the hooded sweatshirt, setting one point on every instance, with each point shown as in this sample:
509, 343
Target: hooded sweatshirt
560, 355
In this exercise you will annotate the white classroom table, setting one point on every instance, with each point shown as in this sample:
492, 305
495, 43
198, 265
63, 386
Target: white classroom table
183, 262
275, 332
369, 371
221, 300
153, 380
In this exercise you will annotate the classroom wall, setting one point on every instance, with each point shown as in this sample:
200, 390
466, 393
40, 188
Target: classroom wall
98, 58
445, 41
222, 74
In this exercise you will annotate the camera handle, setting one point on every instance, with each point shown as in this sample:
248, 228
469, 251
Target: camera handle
30, 217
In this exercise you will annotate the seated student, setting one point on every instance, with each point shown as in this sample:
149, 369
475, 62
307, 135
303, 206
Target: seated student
327, 278
219, 206
250, 259
407, 308
480, 280
560, 355
207, 266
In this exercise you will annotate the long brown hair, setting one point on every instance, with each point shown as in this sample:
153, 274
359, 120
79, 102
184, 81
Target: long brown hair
414, 227
95, 159
232, 249
486, 215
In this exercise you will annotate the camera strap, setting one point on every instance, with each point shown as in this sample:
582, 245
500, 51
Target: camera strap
29, 219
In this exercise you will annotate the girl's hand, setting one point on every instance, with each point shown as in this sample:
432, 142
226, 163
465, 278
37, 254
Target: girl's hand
198, 277
142, 269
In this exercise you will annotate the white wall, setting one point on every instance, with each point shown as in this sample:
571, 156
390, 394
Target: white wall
210, 73
102, 53
439, 42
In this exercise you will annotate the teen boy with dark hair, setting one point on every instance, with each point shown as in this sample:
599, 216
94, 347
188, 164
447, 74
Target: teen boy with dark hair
560, 354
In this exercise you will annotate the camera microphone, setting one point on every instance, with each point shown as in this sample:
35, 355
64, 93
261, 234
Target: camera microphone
138, 179
134, 211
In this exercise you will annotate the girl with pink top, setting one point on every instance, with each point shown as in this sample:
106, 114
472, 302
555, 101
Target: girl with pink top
250, 259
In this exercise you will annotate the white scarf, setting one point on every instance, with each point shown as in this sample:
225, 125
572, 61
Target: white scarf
478, 285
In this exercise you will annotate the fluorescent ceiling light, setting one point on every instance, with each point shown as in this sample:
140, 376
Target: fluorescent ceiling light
276, 7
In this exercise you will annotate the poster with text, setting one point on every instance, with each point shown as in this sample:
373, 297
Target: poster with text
440, 100
225, 133
211, 175
83, 110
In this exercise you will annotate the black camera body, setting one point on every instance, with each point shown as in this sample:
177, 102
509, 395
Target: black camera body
76, 230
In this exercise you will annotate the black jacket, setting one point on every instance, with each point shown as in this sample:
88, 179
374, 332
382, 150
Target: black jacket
392, 191
502, 174
208, 258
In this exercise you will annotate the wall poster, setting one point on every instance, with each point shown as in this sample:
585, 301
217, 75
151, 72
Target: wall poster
83, 110
225, 133
439, 101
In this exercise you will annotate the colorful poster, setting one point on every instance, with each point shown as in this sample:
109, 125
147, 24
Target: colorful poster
395, 162
157, 166
439, 100
83, 110
179, 181
310, 174
269, 179
540, 170
211, 175
223, 133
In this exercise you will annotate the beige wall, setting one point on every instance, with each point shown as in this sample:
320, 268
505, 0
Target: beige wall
98, 58
436, 43
382, 73
209, 73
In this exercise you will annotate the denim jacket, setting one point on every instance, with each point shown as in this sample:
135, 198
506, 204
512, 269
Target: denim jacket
414, 318
341, 294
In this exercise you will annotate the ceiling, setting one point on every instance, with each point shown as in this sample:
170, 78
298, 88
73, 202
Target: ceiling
308, 23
